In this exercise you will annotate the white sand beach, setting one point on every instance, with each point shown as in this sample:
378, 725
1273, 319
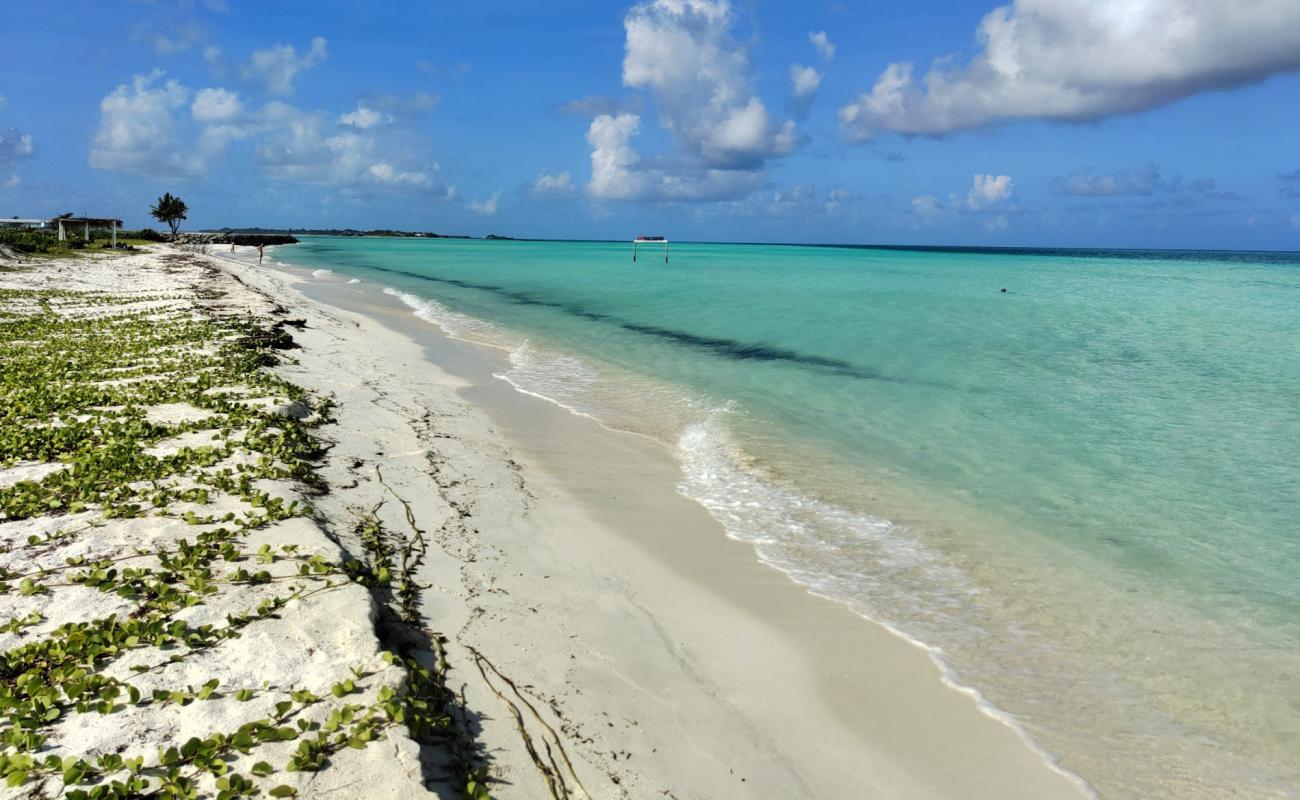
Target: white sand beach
605, 636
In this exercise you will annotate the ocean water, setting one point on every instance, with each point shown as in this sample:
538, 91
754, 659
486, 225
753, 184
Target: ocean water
1081, 495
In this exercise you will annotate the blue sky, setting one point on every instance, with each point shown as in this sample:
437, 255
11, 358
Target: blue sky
1160, 123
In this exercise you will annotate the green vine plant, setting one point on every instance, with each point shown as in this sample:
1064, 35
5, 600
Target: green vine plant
152, 469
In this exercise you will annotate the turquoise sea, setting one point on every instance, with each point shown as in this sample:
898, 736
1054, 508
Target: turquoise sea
1081, 494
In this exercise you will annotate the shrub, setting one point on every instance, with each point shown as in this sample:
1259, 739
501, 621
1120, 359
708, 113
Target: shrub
29, 241
145, 234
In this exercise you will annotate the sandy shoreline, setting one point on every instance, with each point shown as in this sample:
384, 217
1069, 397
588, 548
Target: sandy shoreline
617, 596
607, 638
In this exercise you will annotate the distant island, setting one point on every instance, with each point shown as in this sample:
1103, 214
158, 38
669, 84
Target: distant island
344, 232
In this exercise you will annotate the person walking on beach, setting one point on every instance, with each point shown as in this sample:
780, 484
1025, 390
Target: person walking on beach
259, 254
232, 247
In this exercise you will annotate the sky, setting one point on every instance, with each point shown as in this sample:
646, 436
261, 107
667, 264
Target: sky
1073, 123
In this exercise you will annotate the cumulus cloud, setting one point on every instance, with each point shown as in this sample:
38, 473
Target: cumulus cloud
839, 197
216, 105
278, 66
1079, 60
682, 51
617, 171
682, 54
144, 130
364, 118
825, 47
986, 190
486, 207
554, 185
307, 147
15, 146
137, 130
804, 82
926, 205
383, 172
987, 194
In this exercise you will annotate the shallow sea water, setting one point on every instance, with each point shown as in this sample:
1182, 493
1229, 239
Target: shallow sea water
1080, 494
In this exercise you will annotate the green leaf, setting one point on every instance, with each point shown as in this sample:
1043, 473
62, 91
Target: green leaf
283, 790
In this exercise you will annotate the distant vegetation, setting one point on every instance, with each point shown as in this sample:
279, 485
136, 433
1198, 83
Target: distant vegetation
346, 232
38, 241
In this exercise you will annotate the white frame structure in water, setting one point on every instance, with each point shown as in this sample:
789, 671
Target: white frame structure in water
642, 240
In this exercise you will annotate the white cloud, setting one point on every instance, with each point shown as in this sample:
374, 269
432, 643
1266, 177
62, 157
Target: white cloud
839, 197
613, 159
997, 223
216, 105
12, 182
558, 184
486, 207
804, 80
276, 67
823, 44
1078, 60
986, 190
618, 174
364, 118
987, 194
144, 129
926, 205
803, 89
308, 147
383, 172
683, 53
15, 145
137, 131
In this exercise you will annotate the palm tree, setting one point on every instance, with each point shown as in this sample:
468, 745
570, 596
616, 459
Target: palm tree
170, 210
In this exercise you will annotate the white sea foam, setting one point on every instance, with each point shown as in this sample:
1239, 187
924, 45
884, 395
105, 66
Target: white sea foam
353, 280
559, 379
825, 547
452, 323
872, 565
320, 273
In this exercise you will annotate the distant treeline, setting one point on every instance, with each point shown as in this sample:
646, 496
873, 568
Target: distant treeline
345, 232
